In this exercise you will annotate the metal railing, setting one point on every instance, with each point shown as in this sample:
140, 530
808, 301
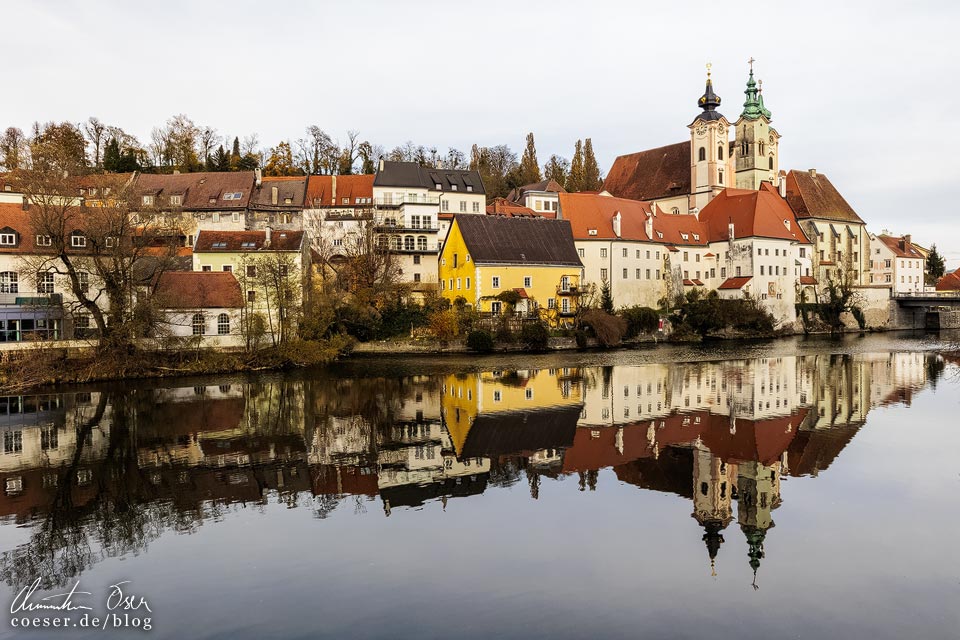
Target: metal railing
406, 199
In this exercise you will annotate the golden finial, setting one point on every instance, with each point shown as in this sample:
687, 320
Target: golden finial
713, 568
750, 62
709, 65
760, 86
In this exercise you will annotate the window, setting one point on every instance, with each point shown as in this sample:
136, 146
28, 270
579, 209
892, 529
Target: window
176, 201
78, 241
408, 243
580, 252
702, 154
648, 274
416, 259
444, 205
338, 242
723, 272
251, 296
84, 280
463, 206
456, 260
603, 275
147, 201
527, 281
624, 274
476, 205
771, 163
44, 241
761, 269
421, 246
565, 305
416, 277
552, 303
603, 252
468, 283
228, 268
109, 242
459, 282
686, 256
206, 267
564, 283
624, 253
495, 308
8, 282
44, 283
720, 152
223, 324
638, 274
9, 239
199, 324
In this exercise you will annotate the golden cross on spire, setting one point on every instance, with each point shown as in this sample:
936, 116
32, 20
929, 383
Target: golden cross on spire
760, 86
709, 65
750, 62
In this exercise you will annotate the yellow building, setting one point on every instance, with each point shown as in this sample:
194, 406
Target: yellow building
486, 257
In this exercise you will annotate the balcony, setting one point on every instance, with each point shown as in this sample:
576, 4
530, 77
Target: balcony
31, 299
410, 198
571, 290
400, 226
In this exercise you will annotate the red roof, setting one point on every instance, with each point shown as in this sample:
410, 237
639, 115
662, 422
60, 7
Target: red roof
320, 190
949, 282
198, 290
248, 241
900, 246
811, 195
760, 214
735, 283
504, 207
651, 174
204, 190
587, 212
808, 280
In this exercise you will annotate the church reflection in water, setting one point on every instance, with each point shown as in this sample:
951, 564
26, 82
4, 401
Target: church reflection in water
102, 473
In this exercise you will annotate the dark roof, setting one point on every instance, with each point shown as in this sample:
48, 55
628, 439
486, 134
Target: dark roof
651, 174
498, 239
508, 432
198, 290
549, 186
248, 241
199, 191
811, 195
411, 174
288, 188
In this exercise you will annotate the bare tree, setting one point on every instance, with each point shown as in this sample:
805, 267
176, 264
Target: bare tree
208, 139
13, 149
97, 134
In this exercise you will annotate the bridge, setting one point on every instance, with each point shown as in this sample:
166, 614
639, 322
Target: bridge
941, 309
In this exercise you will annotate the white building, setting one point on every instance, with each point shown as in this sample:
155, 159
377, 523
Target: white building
896, 262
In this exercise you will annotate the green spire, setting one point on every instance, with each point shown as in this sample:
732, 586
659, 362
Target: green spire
753, 107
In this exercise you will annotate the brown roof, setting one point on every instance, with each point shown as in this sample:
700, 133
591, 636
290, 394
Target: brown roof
590, 211
320, 190
900, 246
949, 282
248, 241
735, 283
292, 188
504, 207
198, 290
502, 240
13, 219
808, 280
651, 174
226, 190
811, 195
550, 186
761, 214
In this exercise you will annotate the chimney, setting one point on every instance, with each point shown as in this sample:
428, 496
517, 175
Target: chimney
907, 241
268, 238
813, 173
274, 195
333, 188
380, 165
257, 177
782, 186
616, 224
649, 226
730, 230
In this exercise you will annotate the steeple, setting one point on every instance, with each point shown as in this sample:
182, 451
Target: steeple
713, 538
709, 101
753, 106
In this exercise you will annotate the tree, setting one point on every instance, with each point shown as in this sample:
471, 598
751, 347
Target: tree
207, 138
276, 278
13, 149
58, 148
591, 170
606, 299
576, 177
220, 161
556, 169
235, 155
494, 164
96, 133
529, 167
935, 263
281, 162
175, 145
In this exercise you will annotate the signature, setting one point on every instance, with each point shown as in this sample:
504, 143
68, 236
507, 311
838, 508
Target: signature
116, 599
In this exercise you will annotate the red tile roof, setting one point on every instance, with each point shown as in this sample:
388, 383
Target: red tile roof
760, 214
320, 190
735, 283
808, 280
811, 195
248, 241
13, 219
588, 212
198, 290
651, 174
504, 207
205, 190
949, 282
900, 247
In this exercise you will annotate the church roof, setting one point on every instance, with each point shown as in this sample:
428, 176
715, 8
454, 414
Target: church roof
593, 212
811, 195
761, 214
648, 175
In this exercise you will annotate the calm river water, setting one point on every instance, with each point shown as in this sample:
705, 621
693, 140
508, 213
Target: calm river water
788, 489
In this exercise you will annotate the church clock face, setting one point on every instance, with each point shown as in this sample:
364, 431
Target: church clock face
720, 129
773, 139
701, 130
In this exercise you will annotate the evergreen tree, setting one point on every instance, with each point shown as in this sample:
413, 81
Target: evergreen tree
935, 263
591, 170
128, 162
575, 178
220, 160
556, 169
111, 156
529, 167
235, 158
606, 298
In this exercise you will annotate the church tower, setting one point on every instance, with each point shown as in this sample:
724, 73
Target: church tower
713, 489
709, 147
757, 143
758, 489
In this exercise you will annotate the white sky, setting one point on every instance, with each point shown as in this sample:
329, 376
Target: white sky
862, 91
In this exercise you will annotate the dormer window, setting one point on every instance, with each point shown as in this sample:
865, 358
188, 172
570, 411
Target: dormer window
439, 187
147, 201
213, 199
660, 235
78, 241
786, 223
43, 241
109, 242
685, 236
469, 187
453, 187
219, 245
176, 201
696, 237
8, 239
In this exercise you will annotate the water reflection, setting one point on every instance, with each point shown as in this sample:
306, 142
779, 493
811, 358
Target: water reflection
103, 473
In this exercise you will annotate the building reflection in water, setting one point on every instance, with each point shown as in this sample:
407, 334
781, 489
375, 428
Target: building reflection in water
103, 473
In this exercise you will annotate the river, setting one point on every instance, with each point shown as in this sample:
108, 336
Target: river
777, 489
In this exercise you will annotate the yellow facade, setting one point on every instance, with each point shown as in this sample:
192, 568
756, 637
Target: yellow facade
551, 290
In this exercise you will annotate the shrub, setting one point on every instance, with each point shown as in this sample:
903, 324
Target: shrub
640, 320
609, 329
706, 314
504, 334
534, 336
480, 341
581, 337
445, 324
857, 313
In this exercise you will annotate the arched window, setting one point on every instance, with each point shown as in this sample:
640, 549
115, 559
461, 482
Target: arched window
408, 243
223, 324
9, 282
703, 154
395, 242
199, 324
744, 148
720, 152
422, 243
771, 163
761, 147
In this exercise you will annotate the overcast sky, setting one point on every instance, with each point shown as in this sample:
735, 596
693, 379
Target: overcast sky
860, 91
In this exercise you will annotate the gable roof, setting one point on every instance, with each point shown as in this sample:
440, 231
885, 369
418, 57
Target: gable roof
900, 246
648, 175
198, 290
550, 186
949, 282
811, 195
758, 214
737, 282
320, 190
591, 211
504, 207
412, 174
293, 188
203, 190
227, 241
502, 240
